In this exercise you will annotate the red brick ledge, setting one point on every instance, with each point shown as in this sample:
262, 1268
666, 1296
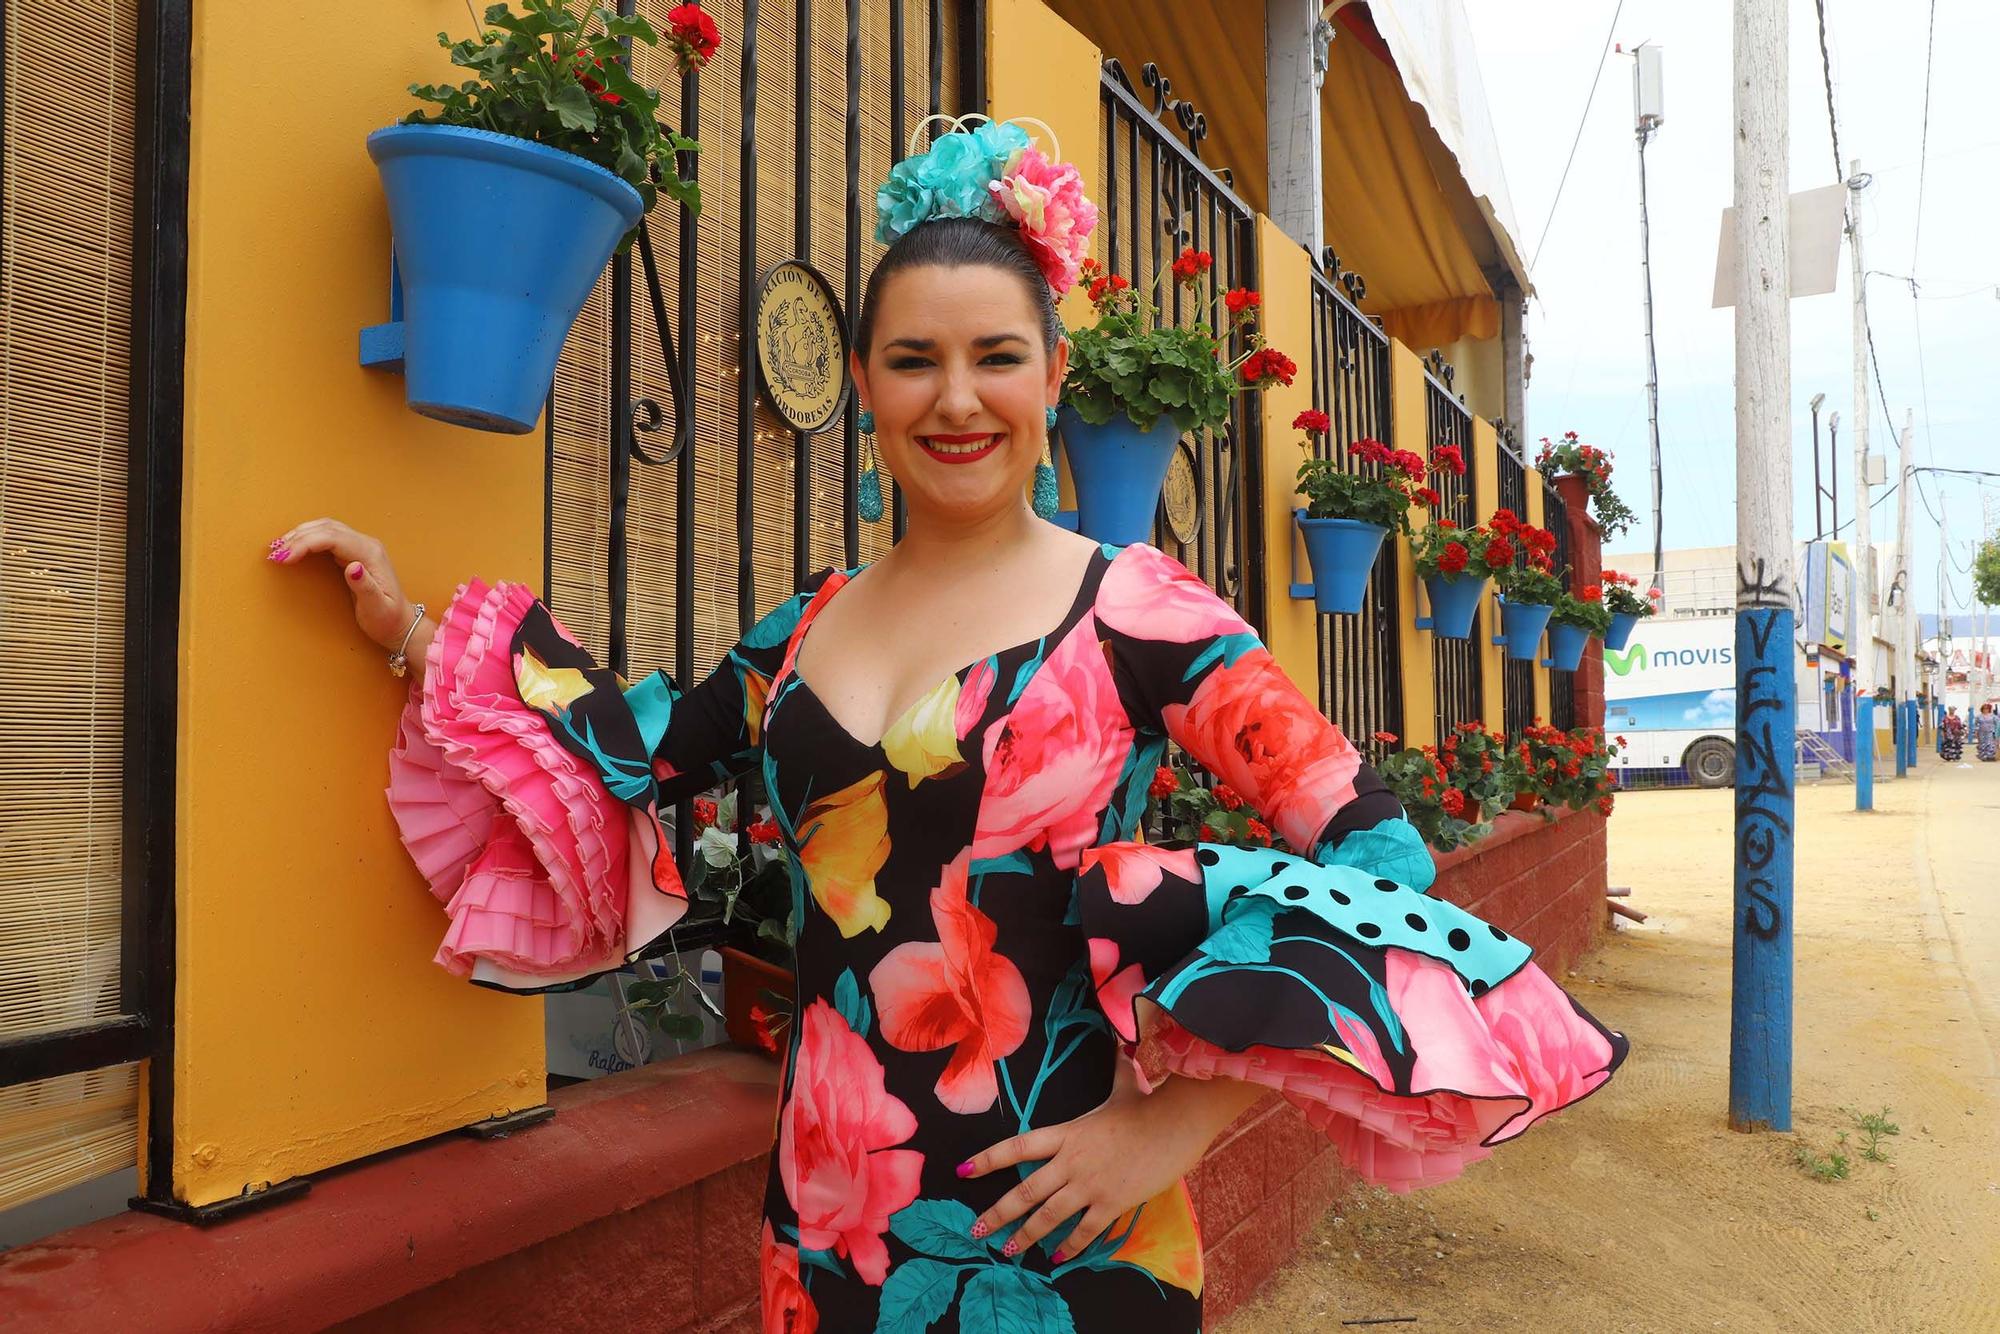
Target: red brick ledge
374, 1232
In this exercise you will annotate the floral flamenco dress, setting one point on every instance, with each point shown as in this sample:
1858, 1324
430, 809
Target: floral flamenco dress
975, 926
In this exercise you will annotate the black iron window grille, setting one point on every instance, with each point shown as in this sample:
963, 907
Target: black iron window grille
1562, 685
1158, 197
1455, 662
1360, 668
1518, 674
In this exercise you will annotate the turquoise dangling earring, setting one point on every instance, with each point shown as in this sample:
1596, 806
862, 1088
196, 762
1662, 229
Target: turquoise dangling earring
1045, 497
868, 491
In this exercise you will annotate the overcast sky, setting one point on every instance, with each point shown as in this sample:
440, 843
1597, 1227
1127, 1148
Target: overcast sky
1585, 329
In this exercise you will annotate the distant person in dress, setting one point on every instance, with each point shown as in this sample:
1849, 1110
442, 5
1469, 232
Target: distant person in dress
1986, 733
1952, 738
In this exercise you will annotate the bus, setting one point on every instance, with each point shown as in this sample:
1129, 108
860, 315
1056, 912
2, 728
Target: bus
1671, 693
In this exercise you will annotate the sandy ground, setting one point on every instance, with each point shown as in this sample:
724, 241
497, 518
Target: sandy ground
1639, 1209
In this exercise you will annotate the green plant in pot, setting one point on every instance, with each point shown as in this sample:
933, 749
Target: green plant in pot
1131, 372
1528, 587
1452, 791
1578, 617
512, 189
1351, 505
1589, 470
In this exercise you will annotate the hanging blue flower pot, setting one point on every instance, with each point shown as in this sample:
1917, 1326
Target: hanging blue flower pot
1522, 623
1566, 644
1454, 605
1118, 469
1620, 632
1342, 552
498, 243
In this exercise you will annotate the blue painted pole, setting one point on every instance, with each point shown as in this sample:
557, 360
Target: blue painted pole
1864, 755
1767, 681
1760, 1027
1902, 716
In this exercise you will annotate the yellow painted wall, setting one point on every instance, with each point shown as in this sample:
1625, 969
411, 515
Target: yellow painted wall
1479, 373
1486, 499
1037, 65
312, 1027
1538, 516
1406, 406
1285, 279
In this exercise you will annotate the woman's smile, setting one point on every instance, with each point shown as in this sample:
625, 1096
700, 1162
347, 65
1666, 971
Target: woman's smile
961, 448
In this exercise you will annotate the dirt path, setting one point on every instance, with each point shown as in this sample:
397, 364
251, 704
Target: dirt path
1639, 1210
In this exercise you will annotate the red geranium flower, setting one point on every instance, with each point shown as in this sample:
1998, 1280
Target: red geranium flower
1448, 458
1429, 495
1499, 553
1505, 521
1453, 802
1165, 783
1366, 450
1192, 264
1260, 832
590, 85
704, 813
764, 832
1592, 593
1453, 558
1313, 422
1267, 365
1386, 738
694, 36
1241, 300
1227, 797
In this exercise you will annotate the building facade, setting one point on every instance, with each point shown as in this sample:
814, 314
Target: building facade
218, 953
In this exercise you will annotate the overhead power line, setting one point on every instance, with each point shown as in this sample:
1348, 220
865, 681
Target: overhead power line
1581, 121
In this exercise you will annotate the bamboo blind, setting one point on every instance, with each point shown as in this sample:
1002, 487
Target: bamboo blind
580, 500
65, 303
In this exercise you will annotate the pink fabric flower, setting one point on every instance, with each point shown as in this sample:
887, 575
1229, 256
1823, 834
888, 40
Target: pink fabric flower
1046, 199
1253, 729
788, 1308
1147, 594
1053, 759
972, 696
1132, 871
1558, 1057
954, 992
836, 1153
1117, 988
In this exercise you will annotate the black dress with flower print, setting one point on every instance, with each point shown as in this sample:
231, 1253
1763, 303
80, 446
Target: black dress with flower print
976, 924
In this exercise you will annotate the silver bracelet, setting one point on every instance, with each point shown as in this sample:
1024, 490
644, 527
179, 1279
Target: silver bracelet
399, 663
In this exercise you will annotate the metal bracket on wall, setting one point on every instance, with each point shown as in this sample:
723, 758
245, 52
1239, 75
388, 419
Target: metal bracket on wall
382, 344
207, 1215
499, 1127
1300, 590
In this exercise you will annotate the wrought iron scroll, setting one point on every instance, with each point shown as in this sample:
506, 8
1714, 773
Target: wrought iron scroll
1517, 674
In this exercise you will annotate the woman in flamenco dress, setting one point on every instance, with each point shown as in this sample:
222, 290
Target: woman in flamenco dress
956, 742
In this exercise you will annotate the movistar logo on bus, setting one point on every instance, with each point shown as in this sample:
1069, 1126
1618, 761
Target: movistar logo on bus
1636, 659
1623, 663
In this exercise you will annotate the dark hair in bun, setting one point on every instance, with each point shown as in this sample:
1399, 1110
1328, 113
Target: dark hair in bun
960, 243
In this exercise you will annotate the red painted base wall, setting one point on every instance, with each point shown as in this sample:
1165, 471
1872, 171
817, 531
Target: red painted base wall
636, 1207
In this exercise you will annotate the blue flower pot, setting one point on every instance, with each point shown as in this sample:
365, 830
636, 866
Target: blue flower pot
1342, 552
1454, 605
1620, 632
498, 243
1566, 643
1118, 470
1522, 623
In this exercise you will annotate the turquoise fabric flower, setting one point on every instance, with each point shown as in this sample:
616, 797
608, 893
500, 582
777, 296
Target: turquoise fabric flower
949, 181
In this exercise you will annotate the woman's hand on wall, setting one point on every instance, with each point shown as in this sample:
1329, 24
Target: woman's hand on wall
380, 608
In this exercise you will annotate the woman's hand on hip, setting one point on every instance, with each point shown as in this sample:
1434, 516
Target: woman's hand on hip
380, 608
1107, 1162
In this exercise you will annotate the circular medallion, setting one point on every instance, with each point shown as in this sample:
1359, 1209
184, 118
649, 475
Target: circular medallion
801, 346
1180, 498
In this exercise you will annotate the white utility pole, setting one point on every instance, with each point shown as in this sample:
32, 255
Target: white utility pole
1989, 528
1760, 1013
1864, 556
1906, 608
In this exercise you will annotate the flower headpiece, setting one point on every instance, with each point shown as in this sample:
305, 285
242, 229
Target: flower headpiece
988, 169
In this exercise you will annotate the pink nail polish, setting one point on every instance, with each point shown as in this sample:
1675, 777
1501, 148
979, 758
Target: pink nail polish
979, 1229
356, 573
1057, 1258
1011, 1248
965, 1168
